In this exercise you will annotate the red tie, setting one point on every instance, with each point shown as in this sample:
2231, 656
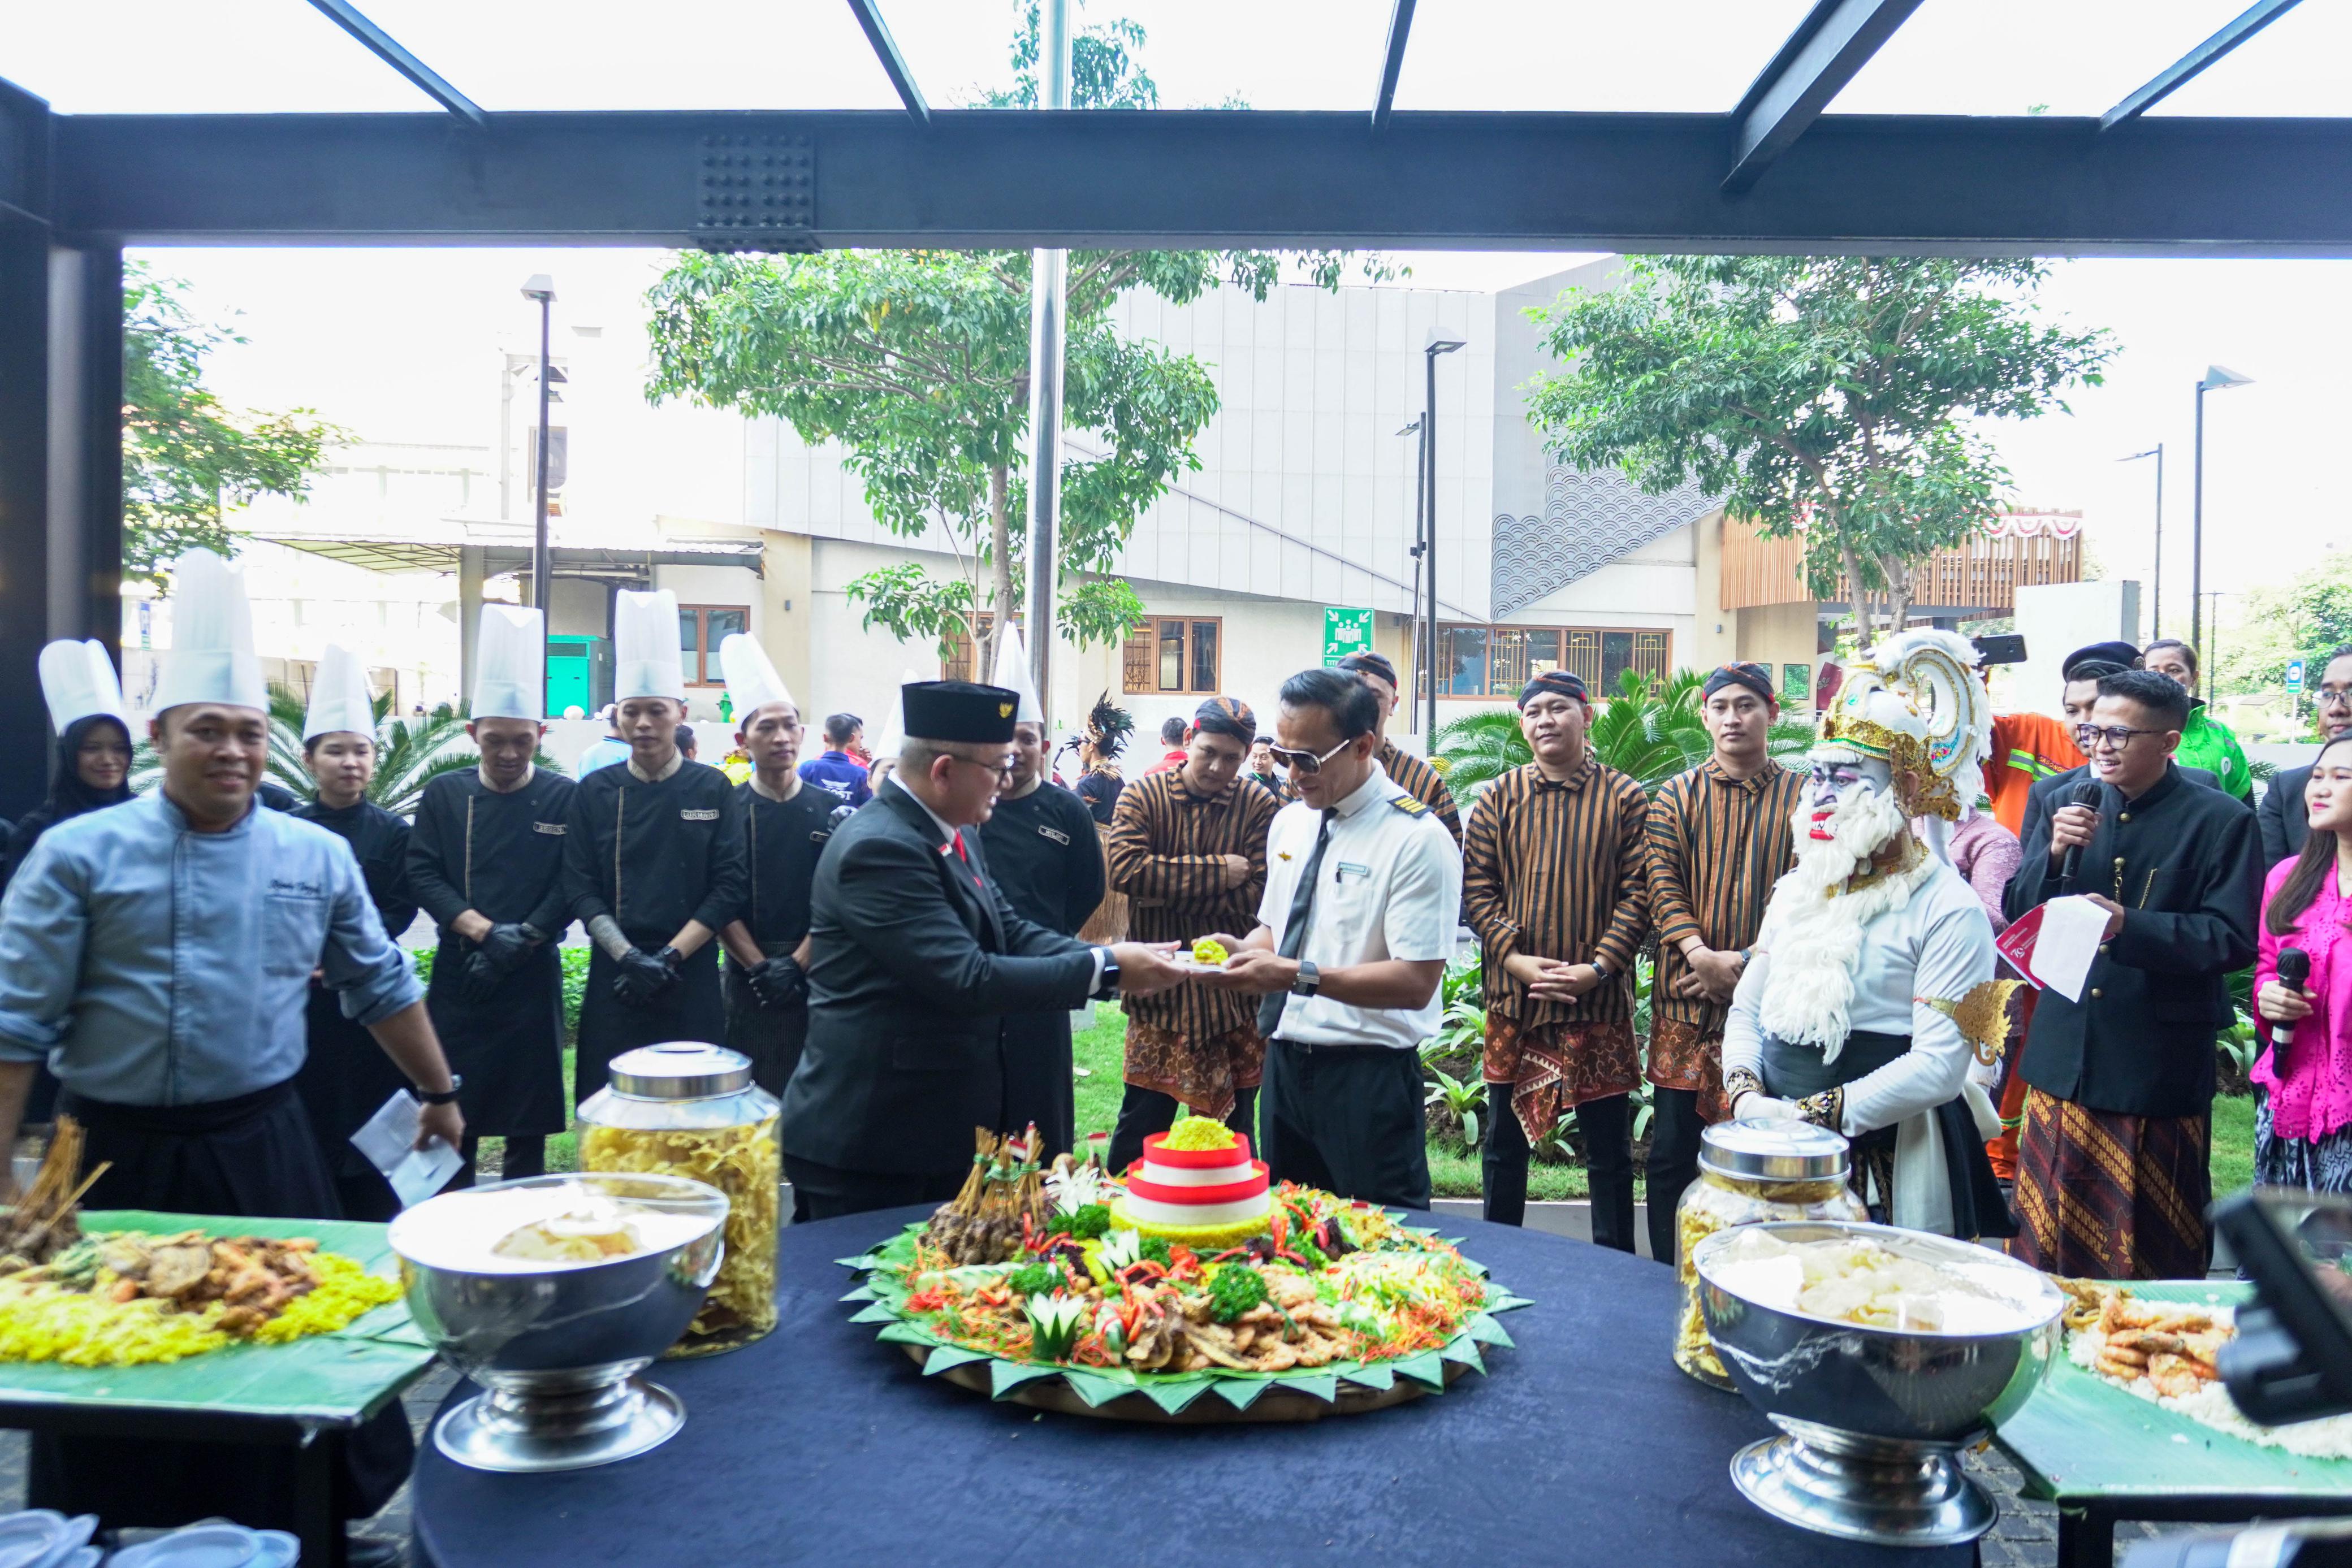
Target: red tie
957, 838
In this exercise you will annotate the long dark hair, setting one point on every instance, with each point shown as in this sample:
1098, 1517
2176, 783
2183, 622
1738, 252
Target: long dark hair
2318, 859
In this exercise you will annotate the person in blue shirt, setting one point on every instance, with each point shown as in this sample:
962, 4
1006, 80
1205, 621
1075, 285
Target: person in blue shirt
158, 955
606, 751
837, 770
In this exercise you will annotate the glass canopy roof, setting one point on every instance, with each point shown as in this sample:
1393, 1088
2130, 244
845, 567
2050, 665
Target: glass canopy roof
1953, 57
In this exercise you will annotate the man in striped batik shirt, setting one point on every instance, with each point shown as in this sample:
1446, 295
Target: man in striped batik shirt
1414, 774
1187, 848
1719, 836
1555, 882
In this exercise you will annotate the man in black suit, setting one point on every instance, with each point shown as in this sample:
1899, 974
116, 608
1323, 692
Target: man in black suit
915, 960
2281, 815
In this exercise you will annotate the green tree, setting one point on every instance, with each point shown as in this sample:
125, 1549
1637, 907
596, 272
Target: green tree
1648, 734
188, 460
2308, 616
1835, 397
918, 363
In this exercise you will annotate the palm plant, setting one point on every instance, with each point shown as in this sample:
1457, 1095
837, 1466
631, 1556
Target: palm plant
1650, 733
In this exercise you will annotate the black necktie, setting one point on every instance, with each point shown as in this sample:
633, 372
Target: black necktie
1294, 930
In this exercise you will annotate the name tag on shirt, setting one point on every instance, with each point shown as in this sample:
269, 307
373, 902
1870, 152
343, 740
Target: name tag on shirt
547, 828
1056, 834
1349, 868
707, 814
283, 887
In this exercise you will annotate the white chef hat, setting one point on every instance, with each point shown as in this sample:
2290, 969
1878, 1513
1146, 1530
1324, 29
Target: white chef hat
78, 681
645, 646
1013, 675
751, 679
510, 665
212, 658
894, 739
340, 698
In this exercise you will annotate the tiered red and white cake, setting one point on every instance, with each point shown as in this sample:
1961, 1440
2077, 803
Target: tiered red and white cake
1212, 1196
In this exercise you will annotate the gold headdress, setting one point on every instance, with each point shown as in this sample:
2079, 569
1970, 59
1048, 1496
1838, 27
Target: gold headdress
1914, 702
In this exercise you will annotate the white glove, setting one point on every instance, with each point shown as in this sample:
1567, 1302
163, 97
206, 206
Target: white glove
1764, 1108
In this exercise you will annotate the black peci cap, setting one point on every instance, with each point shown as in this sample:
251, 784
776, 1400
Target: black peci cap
2099, 659
1370, 663
959, 710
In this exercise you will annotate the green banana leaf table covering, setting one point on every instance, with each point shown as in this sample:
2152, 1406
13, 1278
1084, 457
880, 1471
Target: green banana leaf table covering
2104, 1454
303, 1394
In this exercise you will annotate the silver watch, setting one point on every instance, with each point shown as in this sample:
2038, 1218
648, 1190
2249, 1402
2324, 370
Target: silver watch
1309, 980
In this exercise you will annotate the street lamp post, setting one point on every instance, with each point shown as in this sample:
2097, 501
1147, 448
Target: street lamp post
2216, 378
2155, 614
541, 288
1438, 343
1419, 548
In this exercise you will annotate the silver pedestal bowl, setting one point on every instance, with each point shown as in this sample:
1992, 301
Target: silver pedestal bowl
1875, 1418
557, 1347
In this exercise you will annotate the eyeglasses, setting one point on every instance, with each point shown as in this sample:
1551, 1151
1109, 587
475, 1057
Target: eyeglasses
1304, 761
2334, 696
2117, 736
1001, 769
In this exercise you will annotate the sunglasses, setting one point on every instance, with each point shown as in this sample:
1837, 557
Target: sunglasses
1304, 761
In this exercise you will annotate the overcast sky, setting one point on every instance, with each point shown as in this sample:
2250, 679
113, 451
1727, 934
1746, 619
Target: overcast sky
366, 336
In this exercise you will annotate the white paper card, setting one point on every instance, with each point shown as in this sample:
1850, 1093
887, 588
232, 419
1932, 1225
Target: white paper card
388, 1141
2071, 932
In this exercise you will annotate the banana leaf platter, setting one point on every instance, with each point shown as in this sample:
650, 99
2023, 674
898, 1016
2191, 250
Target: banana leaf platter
1214, 1395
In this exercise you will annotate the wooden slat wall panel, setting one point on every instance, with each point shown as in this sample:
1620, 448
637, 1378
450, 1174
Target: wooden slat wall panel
1985, 572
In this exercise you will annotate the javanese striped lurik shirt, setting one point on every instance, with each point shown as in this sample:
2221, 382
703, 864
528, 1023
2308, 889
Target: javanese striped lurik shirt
1167, 850
1716, 846
1558, 870
1420, 781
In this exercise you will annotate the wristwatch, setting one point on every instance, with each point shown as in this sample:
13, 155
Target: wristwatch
1107, 989
1309, 980
446, 1097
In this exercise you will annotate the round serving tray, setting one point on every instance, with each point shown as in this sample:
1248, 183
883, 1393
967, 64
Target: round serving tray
1276, 1405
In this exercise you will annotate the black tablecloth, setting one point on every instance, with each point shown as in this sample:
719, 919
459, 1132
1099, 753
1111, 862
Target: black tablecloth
818, 1445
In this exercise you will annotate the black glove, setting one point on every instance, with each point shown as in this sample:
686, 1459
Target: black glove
644, 975
778, 982
477, 977
506, 946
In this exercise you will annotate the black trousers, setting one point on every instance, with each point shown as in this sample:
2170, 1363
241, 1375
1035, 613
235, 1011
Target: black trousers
526, 1155
829, 1192
1348, 1119
1674, 1127
1039, 1086
1144, 1112
1607, 1126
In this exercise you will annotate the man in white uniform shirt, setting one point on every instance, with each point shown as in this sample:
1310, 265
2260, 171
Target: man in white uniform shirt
1363, 887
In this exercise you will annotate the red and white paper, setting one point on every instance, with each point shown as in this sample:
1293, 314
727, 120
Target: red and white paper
2053, 945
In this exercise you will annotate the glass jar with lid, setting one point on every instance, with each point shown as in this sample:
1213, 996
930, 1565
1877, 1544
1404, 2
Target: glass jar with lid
691, 1109
1749, 1173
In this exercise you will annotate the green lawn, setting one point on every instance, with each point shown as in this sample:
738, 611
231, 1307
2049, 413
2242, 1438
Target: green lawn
1098, 1050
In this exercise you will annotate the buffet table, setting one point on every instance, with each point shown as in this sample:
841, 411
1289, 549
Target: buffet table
817, 1444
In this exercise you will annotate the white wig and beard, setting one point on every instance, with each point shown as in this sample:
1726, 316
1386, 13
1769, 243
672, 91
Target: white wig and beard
1813, 927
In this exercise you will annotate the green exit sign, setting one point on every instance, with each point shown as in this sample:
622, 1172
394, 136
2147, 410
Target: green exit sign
1346, 631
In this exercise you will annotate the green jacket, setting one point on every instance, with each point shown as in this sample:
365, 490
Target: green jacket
2206, 742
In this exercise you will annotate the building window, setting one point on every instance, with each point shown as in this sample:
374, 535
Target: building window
1177, 657
1492, 662
700, 629
957, 665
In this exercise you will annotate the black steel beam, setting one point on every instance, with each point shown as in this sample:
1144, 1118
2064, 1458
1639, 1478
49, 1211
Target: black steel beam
24, 512
2236, 31
388, 49
2014, 186
1393, 63
893, 64
1836, 39
23, 155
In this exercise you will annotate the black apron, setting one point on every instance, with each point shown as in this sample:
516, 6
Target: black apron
254, 1156
1979, 1210
772, 1038
1039, 1086
690, 1007
345, 1079
508, 1049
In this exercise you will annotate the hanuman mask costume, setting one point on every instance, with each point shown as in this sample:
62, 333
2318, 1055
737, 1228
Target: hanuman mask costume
1872, 989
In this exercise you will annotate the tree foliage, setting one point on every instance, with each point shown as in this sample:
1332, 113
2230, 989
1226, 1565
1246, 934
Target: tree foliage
2308, 616
1645, 733
918, 363
188, 460
1835, 397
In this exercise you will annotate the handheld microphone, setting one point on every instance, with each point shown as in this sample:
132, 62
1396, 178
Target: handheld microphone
2085, 793
2294, 973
